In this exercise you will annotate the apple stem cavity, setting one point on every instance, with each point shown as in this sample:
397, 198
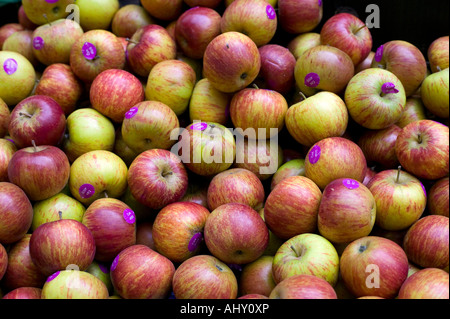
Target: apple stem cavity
419, 139
34, 145
46, 19
362, 248
25, 114
60, 215
359, 29
243, 76
298, 255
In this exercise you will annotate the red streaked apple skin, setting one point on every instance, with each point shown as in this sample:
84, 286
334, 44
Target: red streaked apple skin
438, 54
303, 287
299, 16
166, 10
5, 115
24, 293
257, 278
428, 283
3, 261
7, 150
435, 93
414, 111
7, 29
128, 19
438, 198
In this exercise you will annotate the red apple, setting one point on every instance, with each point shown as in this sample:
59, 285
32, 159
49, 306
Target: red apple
7, 29
256, 277
7, 150
166, 10
24, 293
299, 16
303, 286
197, 193
428, 283
366, 63
128, 19
438, 54
438, 198
144, 234
3, 261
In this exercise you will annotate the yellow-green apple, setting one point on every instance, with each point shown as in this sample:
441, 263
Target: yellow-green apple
139, 263
422, 149
24, 293
347, 211
97, 174
236, 185
260, 110
294, 167
291, 208
8, 29
426, 242
323, 68
273, 3
309, 254
438, 198
428, 283
21, 42
434, 93
122, 149
113, 226
128, 19
144, 234
317, 117
60, 83
378, 146
148, 46
414, 111
333, 158
43, 11
366, 63
347, 32
94, 52
231, 61
178, 230
157, 177
162, 9
438, 54
149, 125
87, 130
195, 29
41, 171
302, 42
97, 14
256, 277
17, 77
171, 82
299, 16
7, 150
404, 60
303, 286
203, 3
400, 199
101, 271
375, 98
236, 234
113, 92
52, 42
209, 104
24, 20
254, 18
5, 116
204, 277
74, 284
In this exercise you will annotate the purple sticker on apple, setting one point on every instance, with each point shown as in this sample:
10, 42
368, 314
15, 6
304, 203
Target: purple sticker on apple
312, 80
195, 241
51, 1
320, 3
103, 268
10, 66
379, 53
129, 216
89, 51
131, 112
86, 191
51, 277
424, 190
270, 12
314, 154
114, 263
201, 126
350, 183
388, 87
38, 43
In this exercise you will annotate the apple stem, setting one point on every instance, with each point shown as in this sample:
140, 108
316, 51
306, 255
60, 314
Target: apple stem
292, 247
131, 41
419, 138
25, 114
360, 28
46, 19
34, 145
106, 194
438, 68
255, 86
60, 215
302, 95
398, 173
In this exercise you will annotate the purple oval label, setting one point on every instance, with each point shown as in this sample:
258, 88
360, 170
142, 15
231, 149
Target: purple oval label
89, 51
314, 154
388, 87
320, 3
379, 53
51, 277
51, 1
199, 126
131, 112
10, 66
312, 80
350, 183
424, 190
38, 43
114, 263
103, 268
195, 241
270, 12
86, 191
129, 216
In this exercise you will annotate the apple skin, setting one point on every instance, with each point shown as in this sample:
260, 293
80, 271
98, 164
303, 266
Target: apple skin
113, 92
24, 293
236, 185
24, 20
253, 296
101, 271
236, 234
365, 64
256, 277
97, 14
203, 3
291, 208
303, 286
432, 231
3, 261
438, 198
60, 83
333, 158
136, 264
122, 149
21, 42
157, 178
438, 54
298, 17
204, 277
422, 149
294, 167
144, 234
128, 19
5, 116
163, 9
7, 150
434, 92
231, 61
41, 11
8, 29
302, 42
414, 111
428, 283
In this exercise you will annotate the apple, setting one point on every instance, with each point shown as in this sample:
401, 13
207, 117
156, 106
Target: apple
438, 198
7, 150
148, 46
101, 271
317, 117
197, 193
3, 261
204, 277
333, 158
404, 60
375, 98
113, 92
434, 93
347, 32
438, 54
299, 16
203, 3
87, 130
400, 199
431, 230
428, 283
236, 185
144, 234
8, 29
303, 286
60, 83
365, 64
236, 234
195, 29
74, 284
94, 52
17, 77
128, 19
24, 21
422, 149
157, 178
253, 296
163, 9
257, 278
294, 167
370, 172
122, 149
24, 293
43, 11
302, 42
97, 14
414, 111
231, 61
5, 116
323, 68
21, 42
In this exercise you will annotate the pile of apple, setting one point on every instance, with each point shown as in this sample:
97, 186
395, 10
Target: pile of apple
108, 126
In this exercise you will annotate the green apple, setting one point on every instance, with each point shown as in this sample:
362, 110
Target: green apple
5, 116
101, 271
414, 111
294, 167
434, 93
44, 11
302, 42
97, 14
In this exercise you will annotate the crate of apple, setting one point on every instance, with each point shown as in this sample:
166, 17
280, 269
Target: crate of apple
204, 149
